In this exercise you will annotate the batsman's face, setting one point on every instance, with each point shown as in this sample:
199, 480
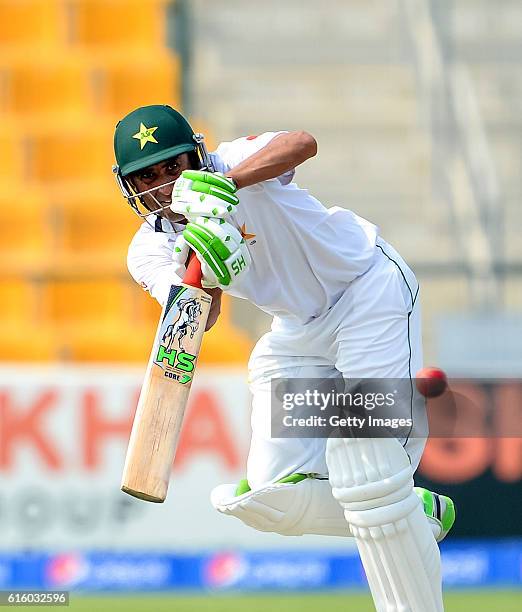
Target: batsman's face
158, 181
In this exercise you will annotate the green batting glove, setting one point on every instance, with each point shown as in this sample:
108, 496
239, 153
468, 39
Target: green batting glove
197, 193
221, 250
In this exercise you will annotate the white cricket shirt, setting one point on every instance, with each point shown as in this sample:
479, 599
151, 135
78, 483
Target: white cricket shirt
304, 256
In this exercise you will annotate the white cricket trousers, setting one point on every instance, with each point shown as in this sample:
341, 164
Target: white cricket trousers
372, 331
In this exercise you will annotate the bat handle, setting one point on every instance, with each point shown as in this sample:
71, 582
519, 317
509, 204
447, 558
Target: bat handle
193, 274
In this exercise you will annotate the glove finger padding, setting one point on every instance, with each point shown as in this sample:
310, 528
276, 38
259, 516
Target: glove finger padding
218, 179
239, 258
192, 204
212, 183
179, 261
198, 193
219, 246
228, 235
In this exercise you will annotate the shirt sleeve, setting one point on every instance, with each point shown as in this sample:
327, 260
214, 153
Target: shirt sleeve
233, 153
150, 264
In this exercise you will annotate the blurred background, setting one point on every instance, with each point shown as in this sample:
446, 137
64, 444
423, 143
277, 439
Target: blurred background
416, 106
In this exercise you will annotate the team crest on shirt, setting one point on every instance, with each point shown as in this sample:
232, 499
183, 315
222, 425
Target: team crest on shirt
246, 235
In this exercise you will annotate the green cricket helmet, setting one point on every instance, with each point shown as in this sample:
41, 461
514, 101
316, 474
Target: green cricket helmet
147, 136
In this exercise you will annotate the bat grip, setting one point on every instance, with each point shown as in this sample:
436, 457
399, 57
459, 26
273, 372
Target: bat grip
193, 274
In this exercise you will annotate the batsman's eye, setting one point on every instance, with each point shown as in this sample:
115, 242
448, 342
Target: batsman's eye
173, 170
146, 177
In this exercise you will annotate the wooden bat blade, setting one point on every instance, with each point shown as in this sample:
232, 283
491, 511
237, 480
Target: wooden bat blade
164, 394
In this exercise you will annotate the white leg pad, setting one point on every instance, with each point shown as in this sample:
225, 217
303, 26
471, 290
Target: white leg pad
306, 507
373, 481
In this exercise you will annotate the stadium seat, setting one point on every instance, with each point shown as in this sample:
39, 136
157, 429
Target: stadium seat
18, 299
93, 320
110, 342
26, 341
32, 23
67, 153
25, 335
11, 155
25, 231
99, 224
122, 85
126, 23
86, 300
53, 84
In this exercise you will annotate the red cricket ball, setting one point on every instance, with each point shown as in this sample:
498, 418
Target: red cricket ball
431, 382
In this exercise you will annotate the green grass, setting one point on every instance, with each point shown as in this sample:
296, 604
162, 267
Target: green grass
472, 601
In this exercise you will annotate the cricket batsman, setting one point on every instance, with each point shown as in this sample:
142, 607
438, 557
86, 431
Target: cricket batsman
343, 302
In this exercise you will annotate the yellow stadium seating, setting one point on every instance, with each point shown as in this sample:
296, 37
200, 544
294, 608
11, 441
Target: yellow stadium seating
24, 333
18, 299
100, 224
106, 341
146, 310
63, 152
53, 84
125, 23
80, 301
122, 85
32, 23
12, 155
68, 70
25, 231
27, 341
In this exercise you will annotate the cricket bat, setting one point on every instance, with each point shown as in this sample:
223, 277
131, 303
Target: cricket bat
166, 388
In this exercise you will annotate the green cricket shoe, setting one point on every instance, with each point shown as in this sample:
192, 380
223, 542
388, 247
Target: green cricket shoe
439, 509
